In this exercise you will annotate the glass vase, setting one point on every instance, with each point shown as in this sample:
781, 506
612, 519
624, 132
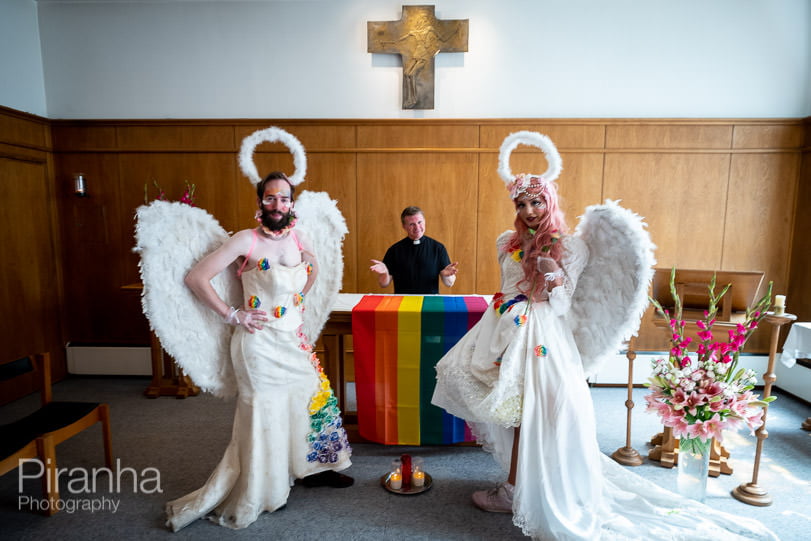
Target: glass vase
694, 467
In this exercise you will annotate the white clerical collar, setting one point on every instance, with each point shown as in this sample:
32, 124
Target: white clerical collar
417, 241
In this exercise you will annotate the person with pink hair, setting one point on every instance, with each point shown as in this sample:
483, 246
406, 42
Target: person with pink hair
518, 377
539, 225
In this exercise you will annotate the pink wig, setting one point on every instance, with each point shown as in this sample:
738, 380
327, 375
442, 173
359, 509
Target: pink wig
545, 241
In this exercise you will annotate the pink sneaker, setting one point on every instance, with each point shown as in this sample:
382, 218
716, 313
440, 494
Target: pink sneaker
496, 500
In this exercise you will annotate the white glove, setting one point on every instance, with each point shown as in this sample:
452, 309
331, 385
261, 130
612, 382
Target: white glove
550, 269
250, 319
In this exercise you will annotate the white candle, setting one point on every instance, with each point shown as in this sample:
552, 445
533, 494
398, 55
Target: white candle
779, 301
418, 478
396, 481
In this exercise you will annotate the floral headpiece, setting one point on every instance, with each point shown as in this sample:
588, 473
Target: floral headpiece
519, 184
524, 182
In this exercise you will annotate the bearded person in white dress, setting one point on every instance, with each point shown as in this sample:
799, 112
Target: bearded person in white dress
231, 311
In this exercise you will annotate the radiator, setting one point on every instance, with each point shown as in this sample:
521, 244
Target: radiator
109, 360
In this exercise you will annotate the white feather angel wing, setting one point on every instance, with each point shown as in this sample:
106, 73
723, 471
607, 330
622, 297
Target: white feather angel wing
171, 238
612, 292
320, 219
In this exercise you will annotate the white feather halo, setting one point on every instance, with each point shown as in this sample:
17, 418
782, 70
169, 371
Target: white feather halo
534, 139
272, 135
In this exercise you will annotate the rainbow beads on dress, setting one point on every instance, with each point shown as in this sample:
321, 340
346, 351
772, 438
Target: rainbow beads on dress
279, 311
254, 302
263, 264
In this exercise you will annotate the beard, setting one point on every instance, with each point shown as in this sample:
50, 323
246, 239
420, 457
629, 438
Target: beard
276, 221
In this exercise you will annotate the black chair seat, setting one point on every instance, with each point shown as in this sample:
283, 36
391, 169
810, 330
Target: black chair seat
38, 434
53, 416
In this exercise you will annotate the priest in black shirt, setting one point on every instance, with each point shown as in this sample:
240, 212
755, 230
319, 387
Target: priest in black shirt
417, 261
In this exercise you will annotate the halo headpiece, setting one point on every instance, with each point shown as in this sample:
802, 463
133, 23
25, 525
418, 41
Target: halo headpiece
519, 184
272, 135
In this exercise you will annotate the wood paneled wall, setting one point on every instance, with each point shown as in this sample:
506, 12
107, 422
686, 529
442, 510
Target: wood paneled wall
716, 194
30, 270
799, 289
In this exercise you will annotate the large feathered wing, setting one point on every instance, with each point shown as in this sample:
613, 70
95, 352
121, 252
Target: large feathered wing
171, 238
320, 219
612, 292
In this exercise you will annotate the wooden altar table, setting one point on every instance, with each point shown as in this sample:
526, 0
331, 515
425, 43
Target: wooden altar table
167, 378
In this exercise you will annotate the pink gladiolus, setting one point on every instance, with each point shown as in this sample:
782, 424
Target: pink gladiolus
705, 335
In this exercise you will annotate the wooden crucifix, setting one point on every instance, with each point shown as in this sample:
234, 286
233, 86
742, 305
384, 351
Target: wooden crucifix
418, 37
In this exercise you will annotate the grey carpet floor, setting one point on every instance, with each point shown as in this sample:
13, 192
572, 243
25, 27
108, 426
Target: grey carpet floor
184, 439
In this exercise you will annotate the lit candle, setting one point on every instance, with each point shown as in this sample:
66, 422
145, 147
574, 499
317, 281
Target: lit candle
418, 478
417, 472
396, 481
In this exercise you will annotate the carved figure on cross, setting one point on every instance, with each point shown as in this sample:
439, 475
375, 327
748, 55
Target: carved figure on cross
418, 37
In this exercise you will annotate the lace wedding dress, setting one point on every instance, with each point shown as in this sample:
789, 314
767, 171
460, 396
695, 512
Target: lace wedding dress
520, 366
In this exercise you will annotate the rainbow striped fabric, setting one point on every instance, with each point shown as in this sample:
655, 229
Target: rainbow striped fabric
398, 341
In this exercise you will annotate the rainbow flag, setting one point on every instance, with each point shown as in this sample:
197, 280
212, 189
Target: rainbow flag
398, 341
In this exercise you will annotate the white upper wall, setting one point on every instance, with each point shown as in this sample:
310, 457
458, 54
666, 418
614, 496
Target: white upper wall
22, 86
308, 59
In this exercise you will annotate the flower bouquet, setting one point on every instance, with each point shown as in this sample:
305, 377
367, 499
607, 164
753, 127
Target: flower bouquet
702, 394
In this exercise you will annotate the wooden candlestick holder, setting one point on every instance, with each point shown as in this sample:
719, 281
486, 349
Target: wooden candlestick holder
751, 492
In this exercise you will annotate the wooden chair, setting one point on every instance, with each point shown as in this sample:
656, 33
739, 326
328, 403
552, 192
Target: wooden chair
36, 435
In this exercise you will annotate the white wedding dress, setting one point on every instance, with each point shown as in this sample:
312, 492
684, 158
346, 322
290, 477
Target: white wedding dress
501, 375
287, 424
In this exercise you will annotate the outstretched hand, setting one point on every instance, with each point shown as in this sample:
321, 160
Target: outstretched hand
379, 267
450, 270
